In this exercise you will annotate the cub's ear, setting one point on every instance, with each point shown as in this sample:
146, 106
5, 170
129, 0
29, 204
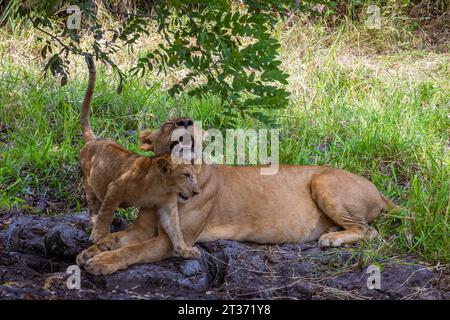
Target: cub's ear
164, 165
145, 140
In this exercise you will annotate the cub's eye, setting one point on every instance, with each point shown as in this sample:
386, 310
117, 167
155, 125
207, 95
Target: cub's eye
187, 175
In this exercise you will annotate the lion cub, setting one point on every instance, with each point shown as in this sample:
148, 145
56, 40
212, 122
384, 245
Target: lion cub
114, 177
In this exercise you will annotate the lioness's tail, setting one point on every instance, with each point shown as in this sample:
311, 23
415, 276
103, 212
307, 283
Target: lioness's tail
86, 127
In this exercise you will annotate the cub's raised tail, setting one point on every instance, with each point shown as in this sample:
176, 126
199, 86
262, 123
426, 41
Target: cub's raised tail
88, 134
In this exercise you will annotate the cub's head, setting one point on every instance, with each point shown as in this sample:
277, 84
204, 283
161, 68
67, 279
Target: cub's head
178, 178
163, 139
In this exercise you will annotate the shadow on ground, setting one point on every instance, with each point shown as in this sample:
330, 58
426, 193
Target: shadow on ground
36, 251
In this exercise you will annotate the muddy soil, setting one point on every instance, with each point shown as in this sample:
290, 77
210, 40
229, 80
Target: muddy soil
35, 253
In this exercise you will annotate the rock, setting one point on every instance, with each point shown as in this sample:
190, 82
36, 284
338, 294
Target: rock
403, 280
19, 267
299, 269
302, 290
35, 252
191, 267
20, 293
65, 241
52, 237
25, 234
157, 279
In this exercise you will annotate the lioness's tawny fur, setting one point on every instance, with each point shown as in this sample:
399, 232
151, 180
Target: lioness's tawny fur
114, 176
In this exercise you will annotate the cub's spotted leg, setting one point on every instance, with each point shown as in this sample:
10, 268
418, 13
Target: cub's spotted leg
110, 204
170, 221
94, 205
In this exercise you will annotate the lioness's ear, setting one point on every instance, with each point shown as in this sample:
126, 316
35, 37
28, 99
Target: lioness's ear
145, 140
164, 165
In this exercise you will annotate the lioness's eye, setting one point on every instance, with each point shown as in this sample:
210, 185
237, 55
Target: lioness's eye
187, 175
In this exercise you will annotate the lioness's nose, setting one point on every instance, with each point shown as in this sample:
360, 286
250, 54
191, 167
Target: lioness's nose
184, 123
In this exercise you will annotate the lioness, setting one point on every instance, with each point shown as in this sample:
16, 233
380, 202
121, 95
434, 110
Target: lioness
114, 176
298, 204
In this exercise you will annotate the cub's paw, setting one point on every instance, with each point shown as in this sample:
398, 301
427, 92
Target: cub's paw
331, 239
101, 264
187, 252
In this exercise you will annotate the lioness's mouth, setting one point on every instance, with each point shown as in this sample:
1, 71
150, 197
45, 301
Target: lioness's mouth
181, 152
173, 145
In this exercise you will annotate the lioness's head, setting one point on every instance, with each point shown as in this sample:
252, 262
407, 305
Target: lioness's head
178, 178
162, 140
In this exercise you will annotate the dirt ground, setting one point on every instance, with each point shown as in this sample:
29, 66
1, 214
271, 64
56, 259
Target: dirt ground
35, 252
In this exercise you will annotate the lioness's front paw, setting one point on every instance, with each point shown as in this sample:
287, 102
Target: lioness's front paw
82, 257
330, 240
187, 252
85, 255
101, 264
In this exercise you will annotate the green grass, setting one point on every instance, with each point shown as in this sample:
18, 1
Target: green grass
388, 127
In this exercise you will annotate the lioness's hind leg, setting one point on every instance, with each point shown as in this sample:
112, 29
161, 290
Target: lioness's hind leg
348, 201
337, 239
355, 227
